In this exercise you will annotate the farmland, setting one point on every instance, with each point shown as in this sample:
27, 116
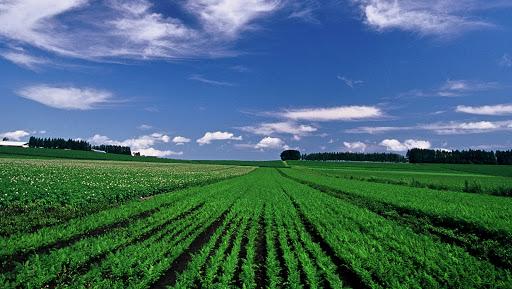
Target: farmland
114, 224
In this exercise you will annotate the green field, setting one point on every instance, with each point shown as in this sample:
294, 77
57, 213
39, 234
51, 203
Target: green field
484, 179
127, 224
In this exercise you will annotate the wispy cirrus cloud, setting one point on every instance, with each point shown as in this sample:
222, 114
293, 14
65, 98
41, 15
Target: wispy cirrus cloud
340, 113
350, 82
279, 128
68, 98
442, 128
24, 60
228, 18
214, 136
200, 78
505, 60
467, 85
426, 18
130, 29
499, 109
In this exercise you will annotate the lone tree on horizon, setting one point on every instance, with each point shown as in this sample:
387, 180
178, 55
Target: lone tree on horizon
290, 155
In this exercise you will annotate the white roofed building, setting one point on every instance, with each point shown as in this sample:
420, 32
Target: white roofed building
20, 144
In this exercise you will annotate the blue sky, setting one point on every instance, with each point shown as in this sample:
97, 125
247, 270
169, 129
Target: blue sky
227, 79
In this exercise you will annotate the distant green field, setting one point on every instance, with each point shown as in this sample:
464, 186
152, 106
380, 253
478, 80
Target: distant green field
487, 179
10, 152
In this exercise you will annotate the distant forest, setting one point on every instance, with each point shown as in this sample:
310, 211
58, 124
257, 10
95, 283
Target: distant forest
80, 145
357, 157
460, 157
419, 156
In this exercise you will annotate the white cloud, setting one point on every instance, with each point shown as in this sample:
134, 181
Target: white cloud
136, 144
397, 146
179, 140
278, 128
69, 98
209, 81
453, 86
158, 153
341, 113
271, 143
144, 127
500, 109
227, 18
15, 135
350, 82
505, 61
442, 128
130, 29
355, 146
377, 130
466, 127
24, 59
425, 17
211, 136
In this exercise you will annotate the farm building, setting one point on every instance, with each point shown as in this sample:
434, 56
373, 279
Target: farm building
21, 144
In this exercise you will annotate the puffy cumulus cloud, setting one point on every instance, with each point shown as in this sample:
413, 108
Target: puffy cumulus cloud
179, 140
159, 136
425, 17
340, 113
141, 144
15, 135
355, 146
211, 136
158, 153
500, 109
68, 98
397, 146
271, 143
279, 128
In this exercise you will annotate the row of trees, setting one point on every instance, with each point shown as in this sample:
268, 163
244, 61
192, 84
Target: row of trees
59, 143
460, 157
120, 150
358, 157
504, 157
70, 144
413, 156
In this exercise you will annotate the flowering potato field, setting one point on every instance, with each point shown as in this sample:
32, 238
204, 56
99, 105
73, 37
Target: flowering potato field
70, 188
252, 228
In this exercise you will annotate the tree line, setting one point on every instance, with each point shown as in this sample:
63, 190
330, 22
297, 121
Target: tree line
460, 157
357, 157
70, 144
111, 149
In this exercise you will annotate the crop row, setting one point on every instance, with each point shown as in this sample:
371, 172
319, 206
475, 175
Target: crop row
386, 255
143, 249
490, 214
445, 179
